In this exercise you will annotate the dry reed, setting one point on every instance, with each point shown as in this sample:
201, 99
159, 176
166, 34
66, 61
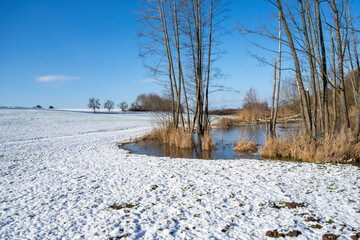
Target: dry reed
207, 142
250, 114
172, 137
245, 145
336, 148
226, 122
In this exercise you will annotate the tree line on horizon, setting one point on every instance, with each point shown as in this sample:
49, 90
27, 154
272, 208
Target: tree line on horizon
143, 102
94, 103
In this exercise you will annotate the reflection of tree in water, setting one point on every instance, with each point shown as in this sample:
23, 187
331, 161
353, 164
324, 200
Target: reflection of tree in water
206, 154
178, 152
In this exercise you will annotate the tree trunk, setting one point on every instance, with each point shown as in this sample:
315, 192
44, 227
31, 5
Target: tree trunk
345, 123
192, 46
357, 117
312, 64
324, 75
279, 75
180, 73
334, 121
206, 113
169, 57
304, 104
272, 118
199, 70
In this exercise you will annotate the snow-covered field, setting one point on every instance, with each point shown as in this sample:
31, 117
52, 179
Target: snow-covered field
63, 176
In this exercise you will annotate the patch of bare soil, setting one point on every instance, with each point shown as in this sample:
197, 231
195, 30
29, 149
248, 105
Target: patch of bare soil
290, 205
311, 219
277, 234
330, 236
121, 206
356, 236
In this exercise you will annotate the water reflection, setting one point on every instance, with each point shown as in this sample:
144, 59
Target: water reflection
224, 139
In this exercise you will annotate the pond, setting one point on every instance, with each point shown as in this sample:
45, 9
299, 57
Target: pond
224, 140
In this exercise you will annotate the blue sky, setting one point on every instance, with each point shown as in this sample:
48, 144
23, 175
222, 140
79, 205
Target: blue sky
61, 53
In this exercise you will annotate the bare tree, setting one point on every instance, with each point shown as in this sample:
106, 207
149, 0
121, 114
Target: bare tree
252, 101
94, 103
290, 95
340, 56
278, 79
152, 102
109, 105
123, 106
178, 37
318, 34
272, 117
355, 70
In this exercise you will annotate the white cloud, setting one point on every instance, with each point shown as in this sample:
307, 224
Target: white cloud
52, 78
150, 80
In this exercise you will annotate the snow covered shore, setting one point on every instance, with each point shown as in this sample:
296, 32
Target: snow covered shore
63, 176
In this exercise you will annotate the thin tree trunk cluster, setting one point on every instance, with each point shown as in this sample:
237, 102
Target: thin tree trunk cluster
177, 36
318, 35
276, 86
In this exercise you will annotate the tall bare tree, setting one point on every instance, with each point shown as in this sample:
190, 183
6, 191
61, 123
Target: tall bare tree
109, 105
318, 34
178, 33
94, 104
356, 70
340, 57
123, 106
305, 105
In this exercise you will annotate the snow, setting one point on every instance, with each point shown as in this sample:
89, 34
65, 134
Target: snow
61, 171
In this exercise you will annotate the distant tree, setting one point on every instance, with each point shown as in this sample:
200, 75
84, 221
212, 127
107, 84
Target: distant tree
38, 106
290, 96
152, 102
123, 106
94, 104
132, 107
51, 107
109, 105
252, 101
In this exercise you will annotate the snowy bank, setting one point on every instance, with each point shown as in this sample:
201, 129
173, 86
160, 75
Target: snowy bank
63, 176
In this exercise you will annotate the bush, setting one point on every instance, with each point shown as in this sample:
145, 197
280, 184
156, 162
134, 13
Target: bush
151, 102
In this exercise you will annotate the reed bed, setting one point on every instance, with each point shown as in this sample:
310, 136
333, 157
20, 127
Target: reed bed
336, 148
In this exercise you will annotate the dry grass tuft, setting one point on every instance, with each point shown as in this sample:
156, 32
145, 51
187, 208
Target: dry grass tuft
207, 143
227, 122
336, 148
244, 115
245, 145
172, 137
155, 135
249, 115
179, 138
276, 148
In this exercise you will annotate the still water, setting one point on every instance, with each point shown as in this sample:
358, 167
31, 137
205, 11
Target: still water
224, 140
